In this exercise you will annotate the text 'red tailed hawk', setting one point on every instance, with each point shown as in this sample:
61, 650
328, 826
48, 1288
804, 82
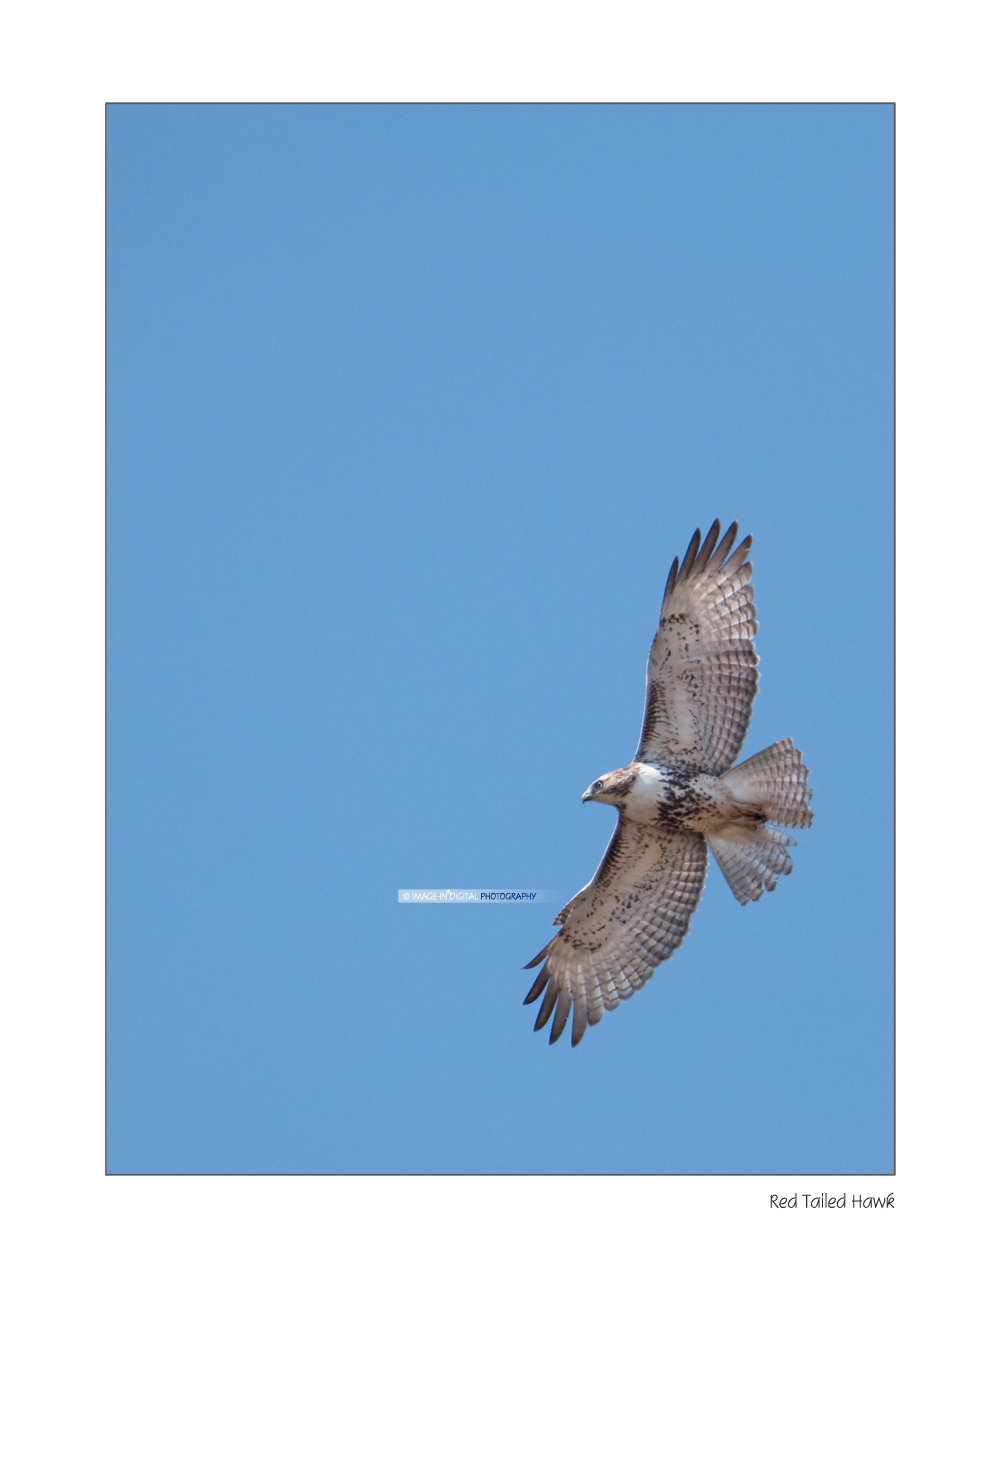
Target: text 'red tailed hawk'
679, 796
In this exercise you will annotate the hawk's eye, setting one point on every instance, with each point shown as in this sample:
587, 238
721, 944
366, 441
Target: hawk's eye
599, 785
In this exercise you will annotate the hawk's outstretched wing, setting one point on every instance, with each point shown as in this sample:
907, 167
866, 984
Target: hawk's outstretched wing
702, 672
629, 919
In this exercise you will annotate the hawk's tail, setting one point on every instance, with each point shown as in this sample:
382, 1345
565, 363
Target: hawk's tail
774, 783
751, 856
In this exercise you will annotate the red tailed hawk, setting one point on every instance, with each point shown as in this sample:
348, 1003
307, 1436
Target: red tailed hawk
679, 796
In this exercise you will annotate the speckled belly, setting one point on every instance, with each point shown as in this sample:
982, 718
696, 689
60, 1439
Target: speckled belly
699, 804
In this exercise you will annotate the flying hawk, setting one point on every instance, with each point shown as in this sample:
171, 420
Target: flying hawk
679, 796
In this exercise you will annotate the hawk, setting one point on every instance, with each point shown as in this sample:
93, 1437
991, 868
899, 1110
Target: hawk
679, 796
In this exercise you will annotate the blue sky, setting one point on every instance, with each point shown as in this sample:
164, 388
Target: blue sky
410, 409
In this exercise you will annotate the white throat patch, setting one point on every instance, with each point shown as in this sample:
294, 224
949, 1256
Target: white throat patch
646, 793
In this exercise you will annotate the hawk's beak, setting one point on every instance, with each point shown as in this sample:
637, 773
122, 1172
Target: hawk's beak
586, 796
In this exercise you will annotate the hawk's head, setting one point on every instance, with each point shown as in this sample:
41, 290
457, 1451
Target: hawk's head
613, 787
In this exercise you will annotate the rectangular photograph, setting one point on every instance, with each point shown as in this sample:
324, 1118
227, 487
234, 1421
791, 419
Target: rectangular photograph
500, 639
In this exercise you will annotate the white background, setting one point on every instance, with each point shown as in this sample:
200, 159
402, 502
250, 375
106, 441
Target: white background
477, 1317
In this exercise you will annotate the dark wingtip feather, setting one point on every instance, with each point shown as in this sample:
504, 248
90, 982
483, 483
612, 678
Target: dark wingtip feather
548, 1003
728, 539
671, 578
539, 956
739, 555
561, 1016
691, 555
579, 1021
537, 987
711, 538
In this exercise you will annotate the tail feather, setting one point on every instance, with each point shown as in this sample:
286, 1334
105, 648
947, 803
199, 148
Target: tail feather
774, 783
752, 856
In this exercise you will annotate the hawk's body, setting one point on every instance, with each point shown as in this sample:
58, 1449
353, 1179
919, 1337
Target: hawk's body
679, 796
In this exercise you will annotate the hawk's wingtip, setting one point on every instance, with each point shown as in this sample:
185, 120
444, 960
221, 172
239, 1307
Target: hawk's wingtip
537, 987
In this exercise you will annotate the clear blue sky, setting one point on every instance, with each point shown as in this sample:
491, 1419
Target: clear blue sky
410, 409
